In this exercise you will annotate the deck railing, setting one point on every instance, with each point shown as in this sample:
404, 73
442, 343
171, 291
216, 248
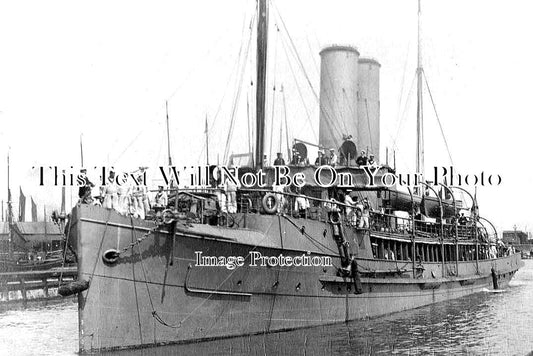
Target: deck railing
251, 201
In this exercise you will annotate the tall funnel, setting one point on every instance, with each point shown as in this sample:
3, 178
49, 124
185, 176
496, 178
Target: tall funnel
338, 95
368, 107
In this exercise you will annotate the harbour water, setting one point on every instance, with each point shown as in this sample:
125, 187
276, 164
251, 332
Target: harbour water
488, 323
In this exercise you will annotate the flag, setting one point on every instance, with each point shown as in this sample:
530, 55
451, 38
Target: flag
22, 206
33, 210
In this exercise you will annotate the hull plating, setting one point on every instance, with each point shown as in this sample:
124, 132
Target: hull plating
156, 295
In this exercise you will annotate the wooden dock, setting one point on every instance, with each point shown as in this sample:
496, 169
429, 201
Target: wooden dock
34, 285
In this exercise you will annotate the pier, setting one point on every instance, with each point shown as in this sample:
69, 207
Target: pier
34, 285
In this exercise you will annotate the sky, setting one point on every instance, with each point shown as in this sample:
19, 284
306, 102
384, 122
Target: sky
104, 70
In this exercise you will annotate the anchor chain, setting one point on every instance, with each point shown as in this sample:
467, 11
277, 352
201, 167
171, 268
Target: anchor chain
111, 256
136, 242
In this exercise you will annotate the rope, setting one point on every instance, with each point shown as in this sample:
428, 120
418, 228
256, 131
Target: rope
154, 312
238, 94
211, 123
369, 126
310, 237
438, 120
98, 254
308, 116
64, 256
329, 122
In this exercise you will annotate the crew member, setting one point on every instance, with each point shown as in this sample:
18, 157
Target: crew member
321, 160
389, 255
302, 204
364, 223
141, 205
124, 202
350, 214
332, 157
84, 192
371, 162
161, 198
110, 192
362, 160
231, 194
279, 161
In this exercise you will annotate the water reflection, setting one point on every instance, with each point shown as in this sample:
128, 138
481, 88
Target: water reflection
482, 324
488, 323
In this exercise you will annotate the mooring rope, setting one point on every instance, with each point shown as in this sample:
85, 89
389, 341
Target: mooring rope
64, 255
98, 254
154, 312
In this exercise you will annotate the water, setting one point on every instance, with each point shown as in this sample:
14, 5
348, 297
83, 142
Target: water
486, 323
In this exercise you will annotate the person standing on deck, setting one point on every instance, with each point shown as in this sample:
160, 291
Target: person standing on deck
124, 199
161, 198
141, 205
364, 223
231, 195
144, 196
350, 213
371, 162
110, 191
320, 160
332, 157
302, 204
279, 161
362, 160
85, 191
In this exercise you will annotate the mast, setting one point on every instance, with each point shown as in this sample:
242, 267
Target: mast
262, 35
9, 212
81, 149
286, 126
9, 203
419, 107
168, 137
206, 142
45, 232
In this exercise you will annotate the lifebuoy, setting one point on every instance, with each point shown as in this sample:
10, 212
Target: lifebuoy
270, 203
168, 216
334, 218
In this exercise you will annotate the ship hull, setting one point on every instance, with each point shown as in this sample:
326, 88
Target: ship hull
156, 294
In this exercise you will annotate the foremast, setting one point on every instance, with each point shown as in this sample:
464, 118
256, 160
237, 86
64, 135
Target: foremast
9, 212
262, 36
419, 108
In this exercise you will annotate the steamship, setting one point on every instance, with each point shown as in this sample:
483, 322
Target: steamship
140, 285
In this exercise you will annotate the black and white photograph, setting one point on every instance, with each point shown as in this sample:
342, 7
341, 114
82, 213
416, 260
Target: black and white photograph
266, 177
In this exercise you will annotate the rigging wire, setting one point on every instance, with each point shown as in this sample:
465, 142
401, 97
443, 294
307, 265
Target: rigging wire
238, 94
330, 123
273, 94
212, 122
438, 119
315, 64
368, 122
203, 58
402, 86
333, 102
404, 113
308, 116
